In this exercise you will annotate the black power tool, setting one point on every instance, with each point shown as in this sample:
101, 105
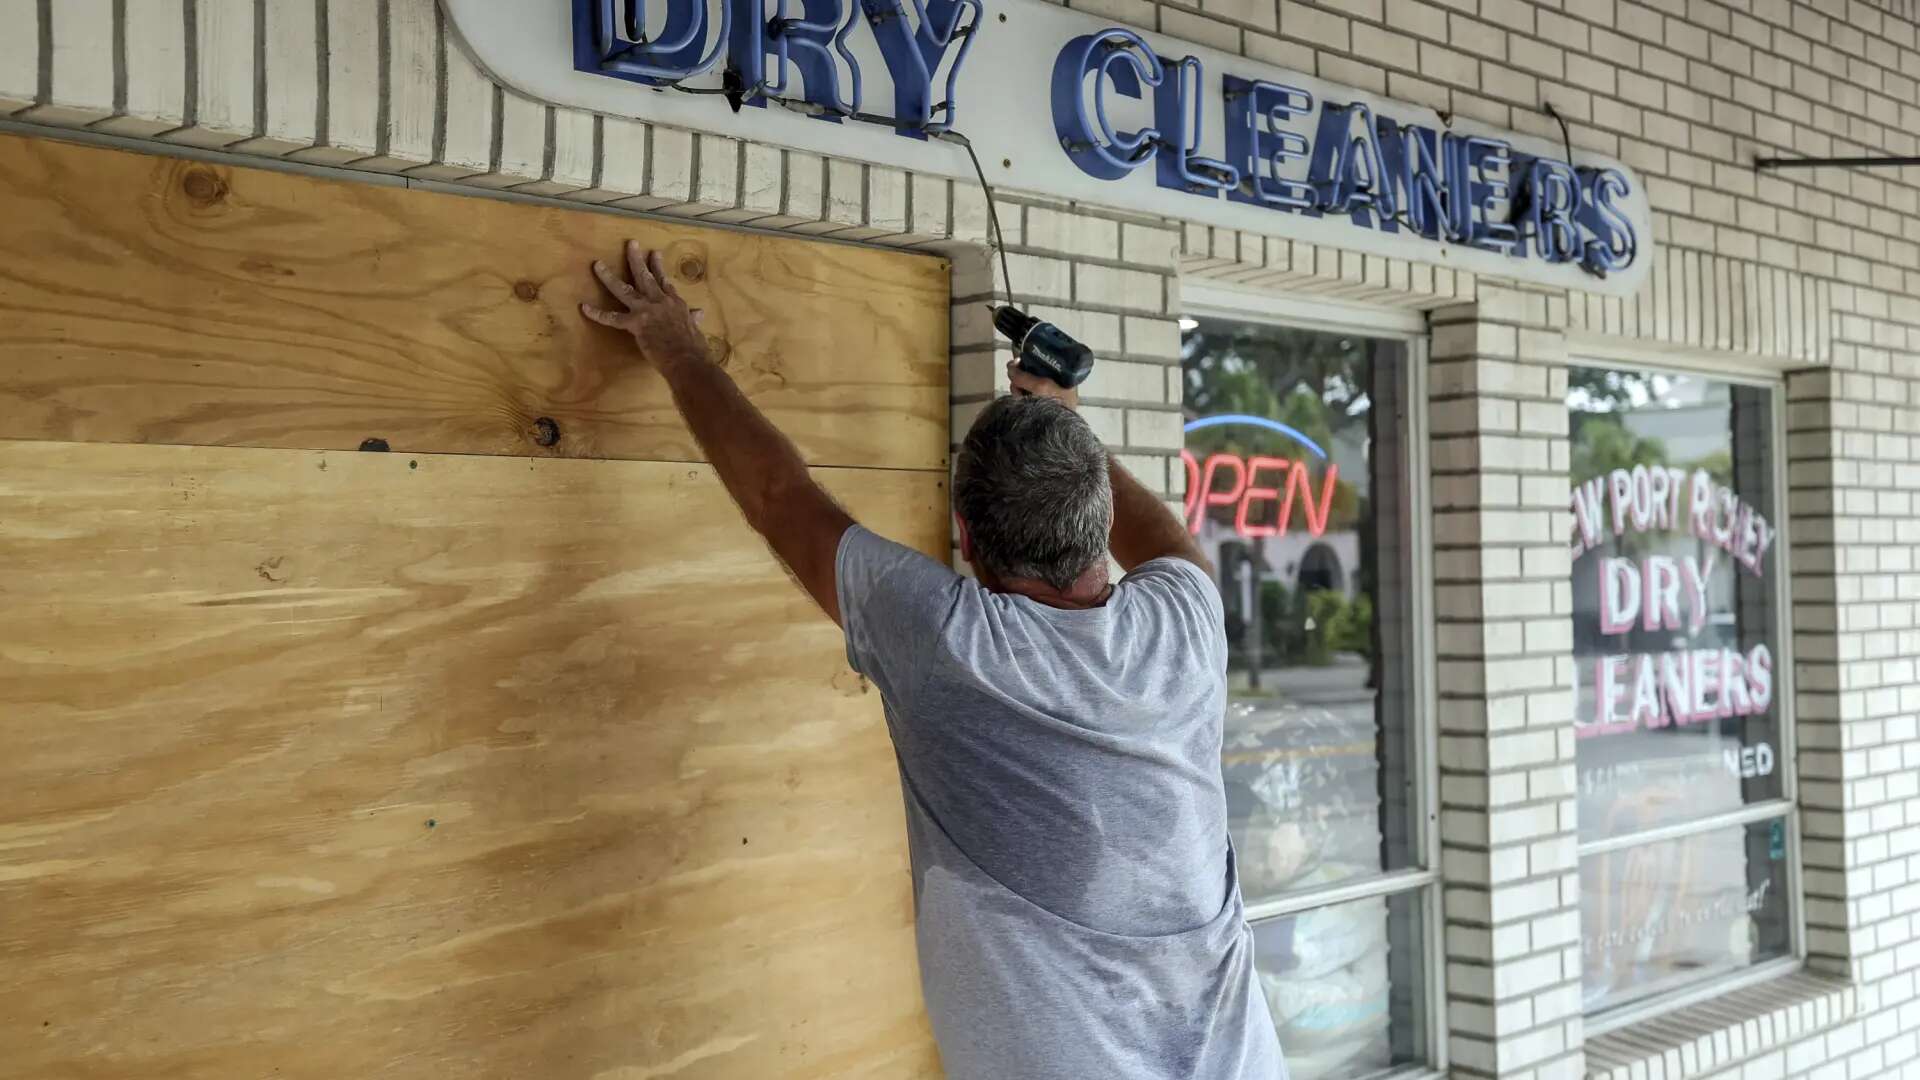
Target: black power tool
1044, 349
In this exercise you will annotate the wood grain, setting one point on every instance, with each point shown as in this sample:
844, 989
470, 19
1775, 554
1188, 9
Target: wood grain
160, 300
374, 765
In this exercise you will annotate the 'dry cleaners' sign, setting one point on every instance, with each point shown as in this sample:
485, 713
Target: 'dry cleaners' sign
1056, 102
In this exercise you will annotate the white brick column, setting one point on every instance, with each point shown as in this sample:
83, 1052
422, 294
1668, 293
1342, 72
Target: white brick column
1108, 280
1504, 678
1853, 473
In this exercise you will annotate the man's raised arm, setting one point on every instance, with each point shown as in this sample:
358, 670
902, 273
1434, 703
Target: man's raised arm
760, 467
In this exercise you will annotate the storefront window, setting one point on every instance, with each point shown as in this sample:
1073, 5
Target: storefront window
1685, 825
1337, 978
1296, 481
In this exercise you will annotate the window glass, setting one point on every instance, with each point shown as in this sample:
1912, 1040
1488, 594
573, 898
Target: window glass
1679, 706
1660, 916
1339, 980
1675, 587
1295, 489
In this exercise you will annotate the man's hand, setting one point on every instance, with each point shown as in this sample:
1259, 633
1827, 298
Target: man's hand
1040, 386
759, 466
662, 325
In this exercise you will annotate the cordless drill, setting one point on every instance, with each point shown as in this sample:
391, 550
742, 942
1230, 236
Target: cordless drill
1044, 349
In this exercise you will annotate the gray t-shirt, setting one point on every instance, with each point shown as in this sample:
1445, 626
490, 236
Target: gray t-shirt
1077, 908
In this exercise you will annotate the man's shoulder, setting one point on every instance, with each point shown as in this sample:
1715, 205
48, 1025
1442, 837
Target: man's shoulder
866, 555
1178, 599
1174, 576
1171, 566
894, 602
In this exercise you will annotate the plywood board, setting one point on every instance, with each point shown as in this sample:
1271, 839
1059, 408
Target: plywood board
152, 299
374, 765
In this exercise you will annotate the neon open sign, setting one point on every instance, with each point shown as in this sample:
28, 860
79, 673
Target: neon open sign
1264, 491
1246, 483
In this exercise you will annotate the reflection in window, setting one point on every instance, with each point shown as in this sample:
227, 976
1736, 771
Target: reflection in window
1325, 972
1296, 489
1668, 914
1678, 668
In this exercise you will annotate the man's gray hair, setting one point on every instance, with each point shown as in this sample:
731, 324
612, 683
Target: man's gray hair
1031, 482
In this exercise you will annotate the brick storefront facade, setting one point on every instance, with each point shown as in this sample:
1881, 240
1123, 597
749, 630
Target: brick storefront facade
1813, 276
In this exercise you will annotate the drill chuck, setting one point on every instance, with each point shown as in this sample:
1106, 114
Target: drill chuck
1042, 348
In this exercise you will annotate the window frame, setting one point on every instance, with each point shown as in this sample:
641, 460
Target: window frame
1786, 808
1422, 880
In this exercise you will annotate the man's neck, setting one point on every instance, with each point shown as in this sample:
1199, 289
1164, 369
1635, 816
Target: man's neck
1090, 590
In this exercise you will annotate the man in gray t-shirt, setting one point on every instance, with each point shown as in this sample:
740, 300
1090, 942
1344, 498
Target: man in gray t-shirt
1077, 907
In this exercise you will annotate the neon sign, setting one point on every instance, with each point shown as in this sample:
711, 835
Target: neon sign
1292, 485
1126, 119
1245, 491
614, 37
1382, 174
1243, 420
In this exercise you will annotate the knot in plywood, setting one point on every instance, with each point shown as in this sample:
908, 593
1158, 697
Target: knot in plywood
204, 187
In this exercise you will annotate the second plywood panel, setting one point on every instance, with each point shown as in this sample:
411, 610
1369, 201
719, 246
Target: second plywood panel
361, 765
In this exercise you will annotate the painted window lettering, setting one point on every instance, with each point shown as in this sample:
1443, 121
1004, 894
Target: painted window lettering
1682, 700
1655, 592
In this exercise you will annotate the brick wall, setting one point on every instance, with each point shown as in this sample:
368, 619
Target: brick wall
1503, 602
1815, 273
1852, 482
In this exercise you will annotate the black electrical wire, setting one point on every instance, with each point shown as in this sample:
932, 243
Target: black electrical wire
1566, 136
937, 131
993, 217
934, 130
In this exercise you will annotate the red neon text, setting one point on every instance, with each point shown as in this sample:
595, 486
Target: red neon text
1228, 479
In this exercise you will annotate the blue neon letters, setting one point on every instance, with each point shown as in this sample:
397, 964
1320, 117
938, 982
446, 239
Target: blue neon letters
614, 37
1380, 173
1319, 153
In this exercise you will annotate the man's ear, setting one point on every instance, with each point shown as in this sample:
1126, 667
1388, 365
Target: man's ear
966, 537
